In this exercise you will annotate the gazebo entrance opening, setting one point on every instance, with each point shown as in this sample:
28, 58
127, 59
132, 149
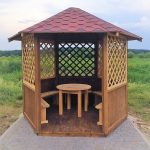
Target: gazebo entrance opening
71, 59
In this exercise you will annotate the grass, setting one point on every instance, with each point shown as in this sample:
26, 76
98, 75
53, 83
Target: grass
11, 88
139, 86
139, 70
10, 81
139, 100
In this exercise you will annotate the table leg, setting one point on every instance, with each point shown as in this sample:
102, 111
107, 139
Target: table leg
68, 101
79, 104
60, 103
86, 101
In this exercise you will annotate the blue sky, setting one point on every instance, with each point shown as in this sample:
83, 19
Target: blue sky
16, 15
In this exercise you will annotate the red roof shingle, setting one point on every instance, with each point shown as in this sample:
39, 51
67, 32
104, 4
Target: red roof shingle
75, 20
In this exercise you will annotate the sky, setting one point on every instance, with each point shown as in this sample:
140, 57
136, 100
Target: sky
132, 15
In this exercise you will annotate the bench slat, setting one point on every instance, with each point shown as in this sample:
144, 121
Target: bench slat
49, 93
44, 103
99, 106
96, 93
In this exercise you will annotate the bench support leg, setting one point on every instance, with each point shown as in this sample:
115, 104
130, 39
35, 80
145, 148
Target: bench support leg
68, 101
86, 100
79, 104
43, 116
100, 117
60, 103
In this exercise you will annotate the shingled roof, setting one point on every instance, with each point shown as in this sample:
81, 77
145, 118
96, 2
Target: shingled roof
75, 20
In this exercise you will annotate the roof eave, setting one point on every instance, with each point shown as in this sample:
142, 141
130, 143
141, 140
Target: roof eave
132, 37
16, 37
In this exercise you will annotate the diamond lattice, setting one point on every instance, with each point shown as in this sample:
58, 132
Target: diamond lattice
76, 59
28, 58
117, 61
100, 61
47, 59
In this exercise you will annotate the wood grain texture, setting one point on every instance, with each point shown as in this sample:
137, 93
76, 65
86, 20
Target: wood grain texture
37, 84
73, 87
116, 105
104, 86
70, 124
29, 105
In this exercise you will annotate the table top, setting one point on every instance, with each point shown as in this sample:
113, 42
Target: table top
73, 87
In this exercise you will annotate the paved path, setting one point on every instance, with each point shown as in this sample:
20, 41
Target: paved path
21, 137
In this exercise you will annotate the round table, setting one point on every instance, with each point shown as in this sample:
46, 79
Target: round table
73, 88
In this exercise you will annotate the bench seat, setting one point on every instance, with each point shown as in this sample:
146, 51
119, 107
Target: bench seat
49, 93
95, 92
100, 108
44, 106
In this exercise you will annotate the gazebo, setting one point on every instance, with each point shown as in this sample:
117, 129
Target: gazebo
74, 46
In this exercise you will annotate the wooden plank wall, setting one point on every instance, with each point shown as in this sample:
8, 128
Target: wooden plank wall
116, 107
31, 80
29, 105
115, 97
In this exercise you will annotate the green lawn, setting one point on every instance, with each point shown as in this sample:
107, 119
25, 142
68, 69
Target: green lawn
11, 88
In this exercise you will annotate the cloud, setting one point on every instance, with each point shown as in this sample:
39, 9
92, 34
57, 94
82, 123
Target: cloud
27, 21
142, 24
16, 15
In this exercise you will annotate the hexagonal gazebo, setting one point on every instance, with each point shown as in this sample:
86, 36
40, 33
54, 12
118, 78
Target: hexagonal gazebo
74, 46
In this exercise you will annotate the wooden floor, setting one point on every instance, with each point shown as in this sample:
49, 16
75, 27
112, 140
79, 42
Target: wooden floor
70, 124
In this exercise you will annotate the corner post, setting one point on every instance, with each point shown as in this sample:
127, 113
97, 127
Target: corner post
37, 83
104, 85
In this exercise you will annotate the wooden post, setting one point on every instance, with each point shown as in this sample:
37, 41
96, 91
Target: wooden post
68, 101
104, 86
60, 103
100, 116
37, 83
79, 104
127, 78
23, 95
86, 101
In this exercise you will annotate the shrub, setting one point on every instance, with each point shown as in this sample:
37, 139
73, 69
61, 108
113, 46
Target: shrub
144, 55
130, 54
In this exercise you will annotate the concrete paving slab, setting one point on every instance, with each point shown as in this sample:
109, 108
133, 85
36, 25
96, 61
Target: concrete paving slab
20, 136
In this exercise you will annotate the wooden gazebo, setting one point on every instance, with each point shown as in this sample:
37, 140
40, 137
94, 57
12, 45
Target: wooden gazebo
74, 46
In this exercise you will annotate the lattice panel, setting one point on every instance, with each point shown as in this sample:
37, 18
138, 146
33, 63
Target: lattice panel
117, 61
28, 58
100, 61
76, 59
47, 59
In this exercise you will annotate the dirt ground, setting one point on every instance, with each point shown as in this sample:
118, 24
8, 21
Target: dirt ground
8, 115
143, 126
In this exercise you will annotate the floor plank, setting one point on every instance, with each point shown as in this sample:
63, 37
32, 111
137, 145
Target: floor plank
70, 124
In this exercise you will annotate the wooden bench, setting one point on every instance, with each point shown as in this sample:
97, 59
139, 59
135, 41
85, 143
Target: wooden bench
44, 105
49, 93
100, 108
96, 94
